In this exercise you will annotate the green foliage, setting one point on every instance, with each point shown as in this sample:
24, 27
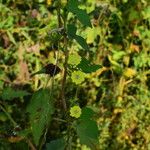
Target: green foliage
83, 17
78, 77
87, 67
40, 109
146, 13
81, 14
87, 129
87, 113
71, 31
74, 59
103, 50
72, 6
58, 144
10, 93
82, 42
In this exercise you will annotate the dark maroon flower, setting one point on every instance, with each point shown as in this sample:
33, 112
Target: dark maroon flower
49, 69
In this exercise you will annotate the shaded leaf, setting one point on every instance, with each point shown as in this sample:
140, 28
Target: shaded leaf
72, 5
58, 144
87, 132
87, 113
87, 129
82, 42
71, 30
83, 17
87, 67
10, 93
40, 109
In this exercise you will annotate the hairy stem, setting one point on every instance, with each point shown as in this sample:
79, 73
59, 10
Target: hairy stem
64, 74
66, 53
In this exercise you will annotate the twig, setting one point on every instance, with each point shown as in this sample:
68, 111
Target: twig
30, 144
58, 119
64, 74
8, 115
66, 53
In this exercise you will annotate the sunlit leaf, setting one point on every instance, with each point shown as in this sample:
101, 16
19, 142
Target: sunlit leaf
74, 59
11, 37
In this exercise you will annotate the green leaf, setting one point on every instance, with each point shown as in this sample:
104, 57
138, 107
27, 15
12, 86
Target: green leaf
88, 133
9, 93
87, 67
82, 42
40, 109
113, 62
43, 70
91, 35
134, 15
12, 39
58, 144
118, 55
24, 133
72, 5
146, 12
71, 31
87, 113
74, 59
83, 17
87, 129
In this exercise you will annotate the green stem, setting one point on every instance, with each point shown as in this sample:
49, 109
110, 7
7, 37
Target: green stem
77, 91
66, 53
60, 120
8, 115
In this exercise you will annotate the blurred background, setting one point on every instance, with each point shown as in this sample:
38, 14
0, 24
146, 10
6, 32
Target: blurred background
119, 92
